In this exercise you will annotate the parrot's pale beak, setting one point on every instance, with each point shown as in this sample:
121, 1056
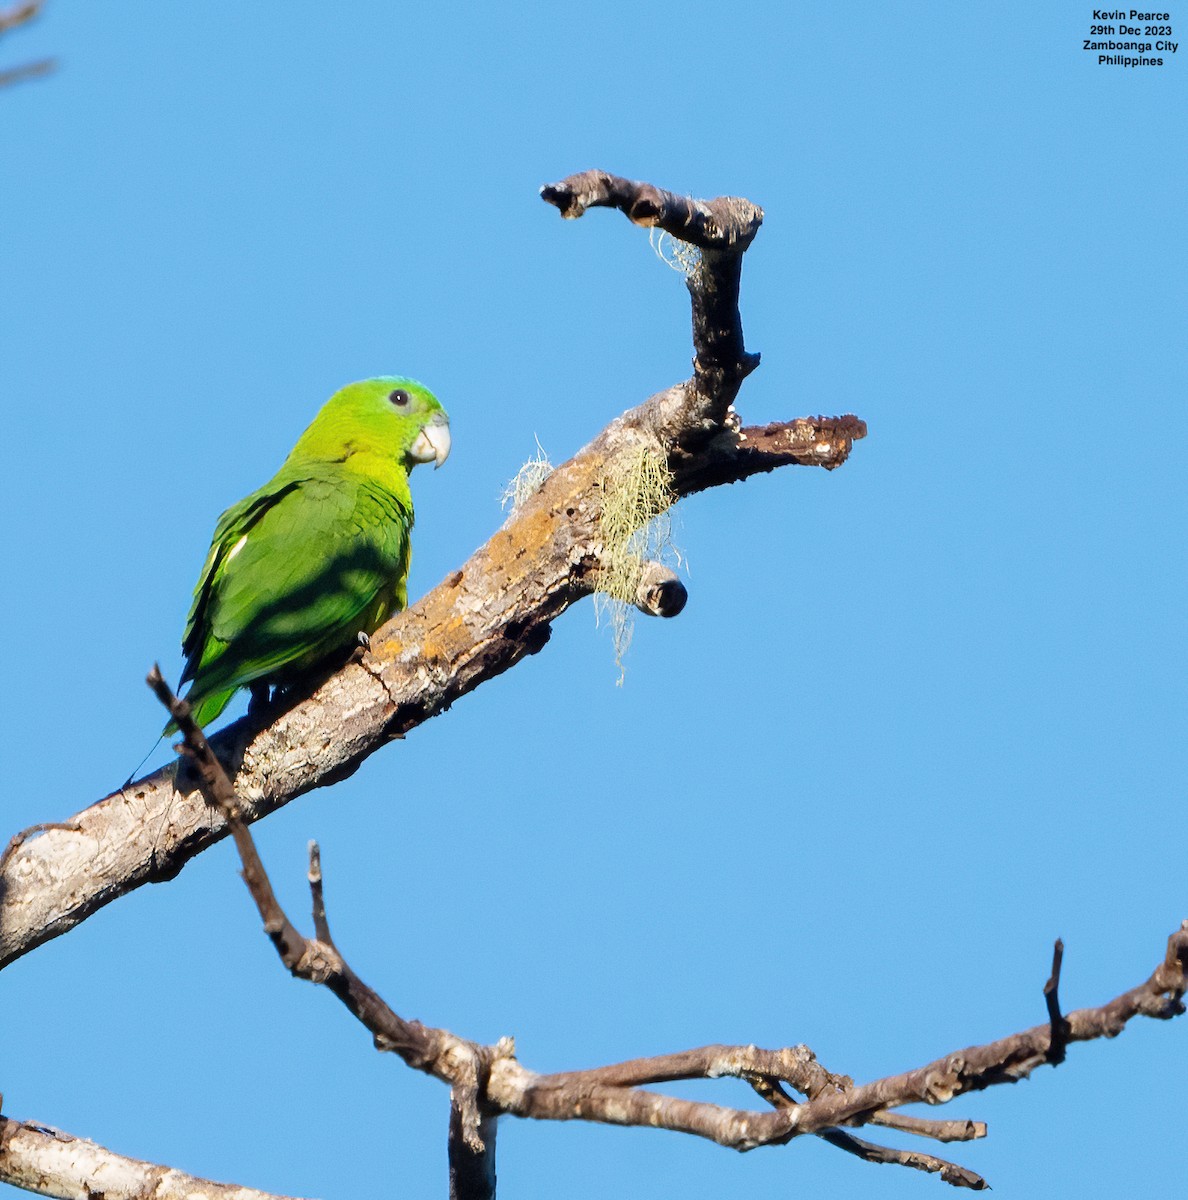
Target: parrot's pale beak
433, 442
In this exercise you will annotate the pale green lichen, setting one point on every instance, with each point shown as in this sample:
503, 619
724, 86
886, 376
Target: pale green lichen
680, 256
636, 527
527, 479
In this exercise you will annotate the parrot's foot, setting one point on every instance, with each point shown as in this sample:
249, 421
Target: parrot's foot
363, 647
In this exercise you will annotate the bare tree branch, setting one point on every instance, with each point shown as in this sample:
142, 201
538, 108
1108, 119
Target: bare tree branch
51, 1163
951, 1173
19, 14
29, 70
482, 620
487, 1081
958, 1176
13, 18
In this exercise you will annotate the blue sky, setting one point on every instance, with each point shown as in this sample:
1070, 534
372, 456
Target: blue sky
921, 715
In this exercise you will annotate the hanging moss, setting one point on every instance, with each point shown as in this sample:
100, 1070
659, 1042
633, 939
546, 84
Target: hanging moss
636, 526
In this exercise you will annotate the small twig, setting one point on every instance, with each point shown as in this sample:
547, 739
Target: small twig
321, 925
221, 793
1058, 1037
952, 1173
939, 1131
195, 746
29, 70
434, 1051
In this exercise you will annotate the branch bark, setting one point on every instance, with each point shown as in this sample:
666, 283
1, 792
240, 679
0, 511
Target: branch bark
49, 1162
482, 620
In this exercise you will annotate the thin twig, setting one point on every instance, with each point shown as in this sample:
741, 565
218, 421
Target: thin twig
321, 924
952, 1173
29, 70
1057, 1025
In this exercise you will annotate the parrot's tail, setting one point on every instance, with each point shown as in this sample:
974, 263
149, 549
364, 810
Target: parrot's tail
204, 710
140, 765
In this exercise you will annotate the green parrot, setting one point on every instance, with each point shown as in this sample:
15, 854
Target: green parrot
307, 566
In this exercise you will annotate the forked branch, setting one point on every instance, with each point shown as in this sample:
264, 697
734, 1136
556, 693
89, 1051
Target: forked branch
483, 619
489, 1081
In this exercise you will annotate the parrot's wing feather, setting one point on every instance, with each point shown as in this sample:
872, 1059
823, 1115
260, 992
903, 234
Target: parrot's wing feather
298, 574
232, 525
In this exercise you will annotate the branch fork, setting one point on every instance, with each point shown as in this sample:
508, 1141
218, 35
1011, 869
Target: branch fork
486, 1081
494, 611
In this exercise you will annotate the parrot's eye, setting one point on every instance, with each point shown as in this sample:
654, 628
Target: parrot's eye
400, 398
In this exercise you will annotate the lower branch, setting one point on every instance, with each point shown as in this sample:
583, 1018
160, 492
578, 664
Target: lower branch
51, 1163
487, 1081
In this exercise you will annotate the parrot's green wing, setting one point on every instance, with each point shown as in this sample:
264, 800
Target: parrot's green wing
297, 570
232, 525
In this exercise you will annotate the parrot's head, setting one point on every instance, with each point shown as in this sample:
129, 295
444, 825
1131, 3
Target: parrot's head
391, 416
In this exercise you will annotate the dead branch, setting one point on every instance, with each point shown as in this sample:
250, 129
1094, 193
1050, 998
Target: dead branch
19, 14
489, 1081
29, 70
49, 1162
13, 18
479, 622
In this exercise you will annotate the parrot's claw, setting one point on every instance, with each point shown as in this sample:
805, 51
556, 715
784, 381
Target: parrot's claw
362, 647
